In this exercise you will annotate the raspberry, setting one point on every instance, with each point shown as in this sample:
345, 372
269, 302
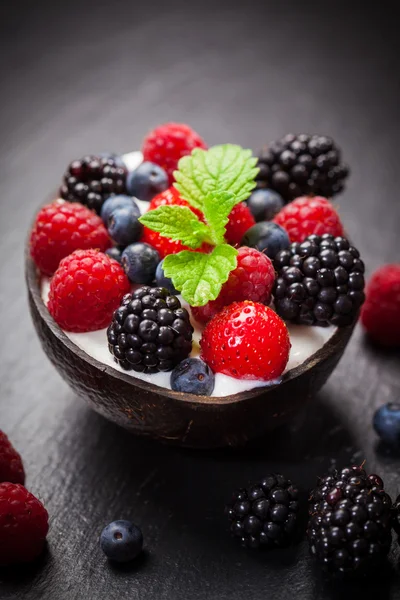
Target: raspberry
253, 279
162, 244
23, 524
85, 290
380, 314
309, 215
62, 227
240, 220
247, 340
167, 143
11, 467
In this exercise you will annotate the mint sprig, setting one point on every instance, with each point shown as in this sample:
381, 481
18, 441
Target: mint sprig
177, 223
217, 207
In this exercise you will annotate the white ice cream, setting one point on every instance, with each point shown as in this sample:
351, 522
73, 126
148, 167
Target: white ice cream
305, 340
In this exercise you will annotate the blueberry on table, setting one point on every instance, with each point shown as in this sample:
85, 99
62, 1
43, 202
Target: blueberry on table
121, 541
119, 201
163, 281
193, 376
124, 226
267, 237
264, 204
140, 261
387, 423
146, 181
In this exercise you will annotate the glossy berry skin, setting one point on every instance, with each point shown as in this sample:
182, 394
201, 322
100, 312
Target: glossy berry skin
11, 467
309, 215
140, 262
93, 179
114, 202
124, 227
380, 314
247, 340
264, 204
265, 514
62, 227
267, 237
387, 423
319, 282
167, 143
147, 181
349, 531
115, 253
24, 523
303, 164
163, 281
193, 376
150, 331
239, 222
85, 290
121, 541
253, 279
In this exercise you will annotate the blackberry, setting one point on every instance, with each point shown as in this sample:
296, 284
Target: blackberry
302, 165
266, 513
319, 281
93, 179
150, 331
349, 530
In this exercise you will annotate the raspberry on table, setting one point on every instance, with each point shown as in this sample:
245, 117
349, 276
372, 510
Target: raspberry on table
85, 290
237, 341
309, 215
265, 514
24, 523
167, 143
62, 227
380, 314
349, 531
253, 279
240, 221
298, 165
11, 467
93, 179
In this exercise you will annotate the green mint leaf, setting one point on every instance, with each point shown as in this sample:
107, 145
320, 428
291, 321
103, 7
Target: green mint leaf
177, 223
226, 167
216, 209
199, 276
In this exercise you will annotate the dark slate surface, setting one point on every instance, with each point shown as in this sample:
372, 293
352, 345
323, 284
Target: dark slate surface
81, 76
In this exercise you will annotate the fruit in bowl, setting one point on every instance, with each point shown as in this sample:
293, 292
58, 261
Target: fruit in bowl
182, 327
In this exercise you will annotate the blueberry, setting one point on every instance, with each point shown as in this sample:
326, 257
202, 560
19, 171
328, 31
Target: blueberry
114, 253
114, 202
163, 281
146, 181
264, 204
123, 226
140, 261
193, 376
121, 541
387, 423
267, 237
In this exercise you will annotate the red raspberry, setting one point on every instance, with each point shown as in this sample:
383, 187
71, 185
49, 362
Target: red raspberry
308, 215
11, 467
167, 143
85, 290
62, 227
253, 279
240, 220
162, 244
380, 313
24, 523
247, 340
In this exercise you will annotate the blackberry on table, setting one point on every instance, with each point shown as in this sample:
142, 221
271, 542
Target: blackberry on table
302, 165
93, 179
319, 281
349, 530
266, 513
150, 331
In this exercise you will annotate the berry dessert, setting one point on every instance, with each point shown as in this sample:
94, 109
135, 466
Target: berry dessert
350, 522
11, 467
380, 315
265, 515
299, 165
